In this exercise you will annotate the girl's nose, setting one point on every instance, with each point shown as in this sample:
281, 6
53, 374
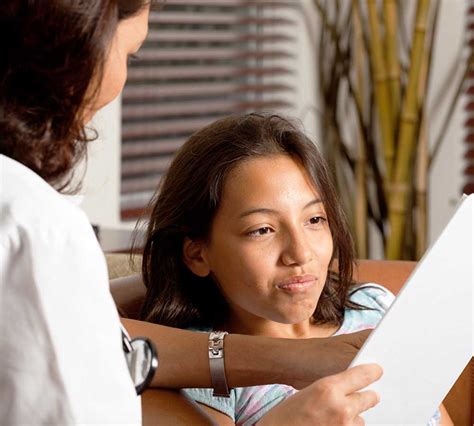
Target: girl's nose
297, 250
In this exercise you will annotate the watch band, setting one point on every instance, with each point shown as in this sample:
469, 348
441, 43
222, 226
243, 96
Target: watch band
216, 363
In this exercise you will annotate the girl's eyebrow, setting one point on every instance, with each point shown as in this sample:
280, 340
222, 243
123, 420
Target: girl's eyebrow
313, 203
271, 211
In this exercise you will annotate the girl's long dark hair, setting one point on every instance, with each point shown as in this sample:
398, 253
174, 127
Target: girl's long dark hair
52, 52
187, 201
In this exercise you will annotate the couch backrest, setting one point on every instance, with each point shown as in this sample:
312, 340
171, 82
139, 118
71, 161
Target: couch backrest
392, 274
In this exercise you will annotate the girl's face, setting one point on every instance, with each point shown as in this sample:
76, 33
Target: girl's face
127, 40
270, 243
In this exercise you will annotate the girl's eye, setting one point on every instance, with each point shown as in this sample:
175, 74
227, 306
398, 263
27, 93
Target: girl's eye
260, 231
317, 220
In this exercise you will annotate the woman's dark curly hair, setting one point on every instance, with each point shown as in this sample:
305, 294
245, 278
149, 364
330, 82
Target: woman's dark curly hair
188, 199
52, 53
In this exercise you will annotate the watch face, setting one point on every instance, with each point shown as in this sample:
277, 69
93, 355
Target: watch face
142, 361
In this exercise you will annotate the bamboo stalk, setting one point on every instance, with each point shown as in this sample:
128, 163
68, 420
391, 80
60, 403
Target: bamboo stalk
393, 65
422, 164
360, 200
421, 185
422, 157
375, 173
408, 248
406, 140
378, 210
382, 91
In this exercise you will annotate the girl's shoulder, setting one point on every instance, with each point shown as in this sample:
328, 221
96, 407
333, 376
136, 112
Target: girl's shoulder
373, 300
373, 296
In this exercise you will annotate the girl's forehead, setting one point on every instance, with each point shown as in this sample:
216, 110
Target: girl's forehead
278, 166
269, 180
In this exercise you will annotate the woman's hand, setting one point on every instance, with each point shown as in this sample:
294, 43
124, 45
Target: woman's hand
336, 399
312, 359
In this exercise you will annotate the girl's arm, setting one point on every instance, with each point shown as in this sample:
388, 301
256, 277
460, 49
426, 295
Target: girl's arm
171, 407
249, 360
219, 418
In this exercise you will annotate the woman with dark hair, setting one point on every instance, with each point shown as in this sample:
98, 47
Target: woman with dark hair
61, 352
249, 248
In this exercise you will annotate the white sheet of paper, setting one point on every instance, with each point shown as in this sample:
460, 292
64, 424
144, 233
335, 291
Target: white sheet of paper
425, 339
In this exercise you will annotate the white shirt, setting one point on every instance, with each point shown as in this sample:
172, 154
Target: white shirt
61, 357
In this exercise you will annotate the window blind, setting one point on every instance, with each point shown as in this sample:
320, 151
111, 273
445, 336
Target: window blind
469, 125
202, 60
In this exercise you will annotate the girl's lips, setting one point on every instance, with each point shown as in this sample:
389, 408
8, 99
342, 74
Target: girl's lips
297, 284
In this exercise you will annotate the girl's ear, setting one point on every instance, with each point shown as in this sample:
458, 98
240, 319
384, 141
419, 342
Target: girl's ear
194, 258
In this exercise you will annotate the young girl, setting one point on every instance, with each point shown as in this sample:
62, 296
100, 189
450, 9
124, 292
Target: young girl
243, 235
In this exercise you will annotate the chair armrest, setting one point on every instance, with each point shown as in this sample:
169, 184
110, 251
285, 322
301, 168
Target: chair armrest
128, 293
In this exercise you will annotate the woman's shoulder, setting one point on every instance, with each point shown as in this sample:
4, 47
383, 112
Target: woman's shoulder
32, 209
370, 302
